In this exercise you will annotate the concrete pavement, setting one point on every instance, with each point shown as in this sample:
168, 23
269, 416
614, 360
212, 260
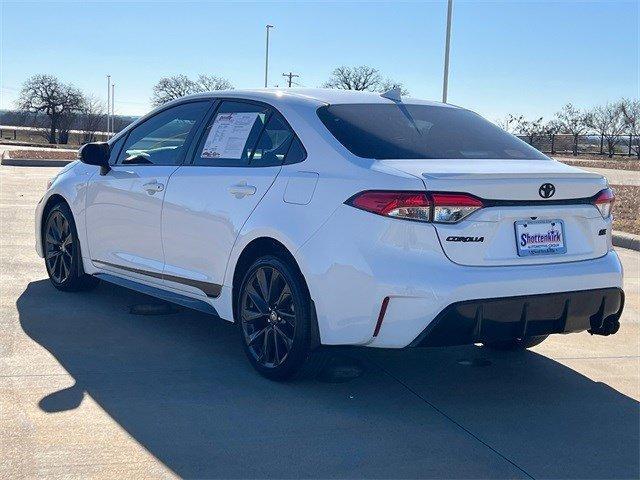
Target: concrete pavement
89, 390
617, 177
614, 176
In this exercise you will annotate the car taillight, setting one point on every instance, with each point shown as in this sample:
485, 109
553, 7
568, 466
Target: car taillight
420, 206
604, 202
408, 205
453, 207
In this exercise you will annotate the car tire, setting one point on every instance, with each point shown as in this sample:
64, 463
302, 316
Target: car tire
516, 343
61, 246
277, 321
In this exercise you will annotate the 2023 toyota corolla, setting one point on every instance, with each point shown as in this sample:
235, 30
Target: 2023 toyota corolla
318, 217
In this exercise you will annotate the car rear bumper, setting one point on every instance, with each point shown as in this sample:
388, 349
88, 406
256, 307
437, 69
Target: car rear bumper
495, 319
399, 267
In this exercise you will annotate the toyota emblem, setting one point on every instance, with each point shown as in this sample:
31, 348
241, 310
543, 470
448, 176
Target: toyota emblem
547, 190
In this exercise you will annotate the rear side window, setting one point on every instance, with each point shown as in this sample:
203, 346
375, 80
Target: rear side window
296, 152
399, 131
273, 144
161, 140
232, 134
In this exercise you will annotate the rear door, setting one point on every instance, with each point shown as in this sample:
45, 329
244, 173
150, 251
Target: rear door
235, 162
124, 206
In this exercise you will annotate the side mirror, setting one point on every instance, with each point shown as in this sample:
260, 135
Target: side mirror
96, 153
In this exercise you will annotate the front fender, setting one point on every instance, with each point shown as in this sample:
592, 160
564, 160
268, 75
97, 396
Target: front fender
70, 185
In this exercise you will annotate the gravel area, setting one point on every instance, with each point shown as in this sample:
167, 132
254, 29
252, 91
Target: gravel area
627, 208
612, 163
44, 154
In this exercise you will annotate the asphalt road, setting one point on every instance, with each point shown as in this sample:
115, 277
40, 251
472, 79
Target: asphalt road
88, 389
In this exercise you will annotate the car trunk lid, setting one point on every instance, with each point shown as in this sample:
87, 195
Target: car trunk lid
519, 196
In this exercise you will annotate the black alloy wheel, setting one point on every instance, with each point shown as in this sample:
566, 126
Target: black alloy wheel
62, 251
277, 320
59, 247
268, 317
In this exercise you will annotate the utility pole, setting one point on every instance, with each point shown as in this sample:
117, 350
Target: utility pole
113, 107
266, 58
108, 103
445, 81
290, 76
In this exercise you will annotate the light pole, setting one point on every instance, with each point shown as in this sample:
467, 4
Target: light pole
108, 103
266, 58
113, 107
445, 81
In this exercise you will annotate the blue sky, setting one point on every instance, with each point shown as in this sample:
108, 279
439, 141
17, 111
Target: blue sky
506, 56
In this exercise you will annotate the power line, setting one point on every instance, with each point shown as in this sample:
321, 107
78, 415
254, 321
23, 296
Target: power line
290, 76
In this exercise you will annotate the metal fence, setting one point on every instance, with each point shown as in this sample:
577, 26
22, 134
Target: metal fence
590, 144
38, 136
553, 144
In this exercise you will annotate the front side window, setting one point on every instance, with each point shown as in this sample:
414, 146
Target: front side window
232, 134
399, 131
114, 150
161, 140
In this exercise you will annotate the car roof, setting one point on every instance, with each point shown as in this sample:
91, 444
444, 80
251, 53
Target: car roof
289, 97
317, 96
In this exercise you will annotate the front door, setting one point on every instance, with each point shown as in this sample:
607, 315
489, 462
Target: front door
124, 207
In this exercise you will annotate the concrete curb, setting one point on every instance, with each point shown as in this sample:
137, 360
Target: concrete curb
626, 240
11, 143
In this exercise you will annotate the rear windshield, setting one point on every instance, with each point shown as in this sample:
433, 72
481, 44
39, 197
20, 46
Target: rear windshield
386, 131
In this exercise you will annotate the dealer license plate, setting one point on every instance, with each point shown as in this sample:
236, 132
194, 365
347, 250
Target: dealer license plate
540, 237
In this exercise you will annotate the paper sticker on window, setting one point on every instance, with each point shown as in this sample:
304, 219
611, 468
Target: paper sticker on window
228, 135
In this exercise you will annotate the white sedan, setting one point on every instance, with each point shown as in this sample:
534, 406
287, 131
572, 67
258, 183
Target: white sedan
327, 217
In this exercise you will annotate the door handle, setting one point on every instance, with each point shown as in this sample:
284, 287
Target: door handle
241, 189
153, 187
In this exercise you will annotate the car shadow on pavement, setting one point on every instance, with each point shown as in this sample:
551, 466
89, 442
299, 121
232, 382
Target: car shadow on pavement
180, 386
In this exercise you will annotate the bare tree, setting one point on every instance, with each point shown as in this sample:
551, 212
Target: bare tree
66, 123
362, 78
354, 78
210, 83
509, 123
533, 130
91, 118
572, 121
170, 88
608, 121
388, 84
58, 101
631, 115
551, 129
